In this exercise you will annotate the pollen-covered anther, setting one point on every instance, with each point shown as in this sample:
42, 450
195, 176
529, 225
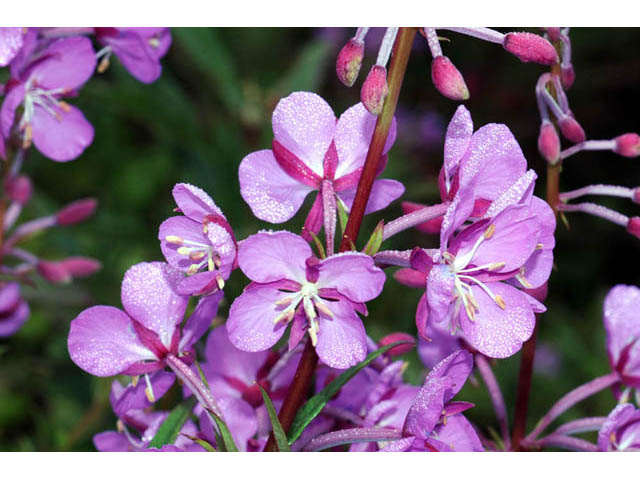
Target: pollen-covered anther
500, 301
197, 255
495, 266
283, 302
488, 233
28, 136
184, 251
285, 317
220, 282
154, 42
193, 269
64, 106
322, 308
539, 246
313, 332
104, 64
120, 426
521, 278
174, 239
135, 379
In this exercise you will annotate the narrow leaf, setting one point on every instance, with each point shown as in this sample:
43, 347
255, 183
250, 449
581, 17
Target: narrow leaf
278, 432
312, 408
227, 439
342, 216
375, 241
170, 428
203, 443
318, 244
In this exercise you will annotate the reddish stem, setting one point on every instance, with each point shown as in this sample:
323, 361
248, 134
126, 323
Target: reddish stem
302, 379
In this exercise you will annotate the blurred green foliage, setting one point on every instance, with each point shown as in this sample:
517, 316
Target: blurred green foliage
212, 106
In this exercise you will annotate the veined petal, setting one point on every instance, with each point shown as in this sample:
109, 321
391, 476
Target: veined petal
270, 192
11, 39
498, 332
353, 274
251, 325
102, 341
200, 320
11, 323
440, 287
12, 101
459, 434
426, 410
305, 125
149, 296
456, 367
270, 256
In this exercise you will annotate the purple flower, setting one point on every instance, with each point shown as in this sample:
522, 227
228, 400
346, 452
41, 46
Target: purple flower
139, 49
312, 151
621, 431
14, 311
107, 341
38, 82
11, 39
622, 324
434, 422
201, 239
290, 285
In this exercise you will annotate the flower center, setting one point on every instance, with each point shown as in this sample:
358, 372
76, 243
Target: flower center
202, 254
46, 99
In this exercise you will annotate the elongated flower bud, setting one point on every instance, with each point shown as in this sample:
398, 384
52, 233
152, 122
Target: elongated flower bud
80, 266
448, 79
567, 76
19, 189
53, 272
628, 145
375, 90
398, 337
633, 226
549, 142
530, 47
76, 211
571, 129
554, 33
636, 195
349, 61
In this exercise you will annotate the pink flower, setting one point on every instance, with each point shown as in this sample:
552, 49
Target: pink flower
312, 152
290, 285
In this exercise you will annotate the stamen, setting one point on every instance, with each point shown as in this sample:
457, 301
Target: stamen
211, 265
220, 282
193, 268
308, 308
154, 42
198, 255
149, 390
184, 250
28, 136
283, 302
135, 379
322, 308
174, 239
285, 316
313, 332
488, 233
523, 281
500, 301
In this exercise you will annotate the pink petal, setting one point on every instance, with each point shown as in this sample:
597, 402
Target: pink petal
426, 410
621, 307
11, 39
201, 283
305, 125
272, 195
518, 193
354, 131
194, 202
149, 296
457, 213
63, 137
11, 323
102, 342
111, 441
132, 50
251, 324
342, 341
459, 434
494, 161
353, 274
442, 344
440, 285
200, 320
270, 256
495, 332
186, 229
457, 139
12, 101
383, 193
456, 368
68, 63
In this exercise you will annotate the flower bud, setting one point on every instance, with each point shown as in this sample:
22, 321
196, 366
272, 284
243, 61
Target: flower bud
571, 129
628, 145
349, 61
398, 337
19, 189
636, 195
53, 272
549, 142
529, 47
567, 76
554, 33
80, 266
76, 211
633, 226
375, 90
448, 80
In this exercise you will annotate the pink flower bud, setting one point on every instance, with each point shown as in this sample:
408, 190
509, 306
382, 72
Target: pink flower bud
530, 47
80, 266
549, 142
567, 76
76, 211
633, 227
19, 189
398, 337
554, 33
375, 90
349, 61
628, 145
53, 272
571, 129
448, 79
636, 195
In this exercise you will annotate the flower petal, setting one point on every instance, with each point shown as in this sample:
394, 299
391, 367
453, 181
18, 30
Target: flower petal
305, 125
11, 323
68, 63
270, 256
186, 229
62, 137
459, 434
440, 286
11, 39
270, 192
353, 274
251, 324
456, 367
342, 341
102, 341
426, 410
194, 202
200, 320
457, 140
621, 307
383, 192
149, 296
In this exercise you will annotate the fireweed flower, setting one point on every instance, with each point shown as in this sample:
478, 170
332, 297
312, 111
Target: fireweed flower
434, 422
312, 151
621, 431
106, 341
139, 49
622, 325
14, 311
199, 243
290, 285
38, 82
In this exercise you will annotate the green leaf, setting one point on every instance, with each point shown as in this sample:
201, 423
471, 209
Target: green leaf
170, 428
227, 439
342, 216
278, 432
315, 404
203, 443
318, 244
375, 241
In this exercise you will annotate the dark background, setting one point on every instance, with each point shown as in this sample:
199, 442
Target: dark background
213, 105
